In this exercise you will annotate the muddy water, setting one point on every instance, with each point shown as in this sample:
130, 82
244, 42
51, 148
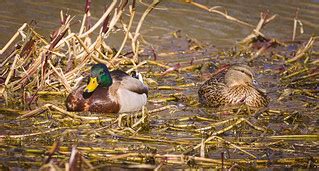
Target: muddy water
213, 32
171, 16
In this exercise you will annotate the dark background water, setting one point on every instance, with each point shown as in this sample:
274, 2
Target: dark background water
171, 16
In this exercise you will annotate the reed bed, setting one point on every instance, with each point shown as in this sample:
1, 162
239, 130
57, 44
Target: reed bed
173, 130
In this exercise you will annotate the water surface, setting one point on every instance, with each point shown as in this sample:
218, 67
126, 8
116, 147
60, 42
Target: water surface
171, 16
214, 32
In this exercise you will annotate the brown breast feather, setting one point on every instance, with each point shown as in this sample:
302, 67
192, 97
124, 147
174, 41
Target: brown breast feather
101, 102
75, 100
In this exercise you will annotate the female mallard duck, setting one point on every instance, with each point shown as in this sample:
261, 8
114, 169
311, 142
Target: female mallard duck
108, 92
232, 86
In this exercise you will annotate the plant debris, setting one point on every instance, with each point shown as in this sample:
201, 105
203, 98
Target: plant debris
173, 130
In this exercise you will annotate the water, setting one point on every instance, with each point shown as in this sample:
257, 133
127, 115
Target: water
171, 16
214, 32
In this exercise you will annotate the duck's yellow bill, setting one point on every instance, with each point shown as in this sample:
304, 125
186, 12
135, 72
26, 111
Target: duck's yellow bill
92, 85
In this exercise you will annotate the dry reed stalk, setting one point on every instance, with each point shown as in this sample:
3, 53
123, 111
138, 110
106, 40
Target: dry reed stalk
217, 124
61, 78
127, 128
158, 64
100, 21
264, 19
19, 31
62, 111
239, 121
162, 100
295, 73
136, 66
12, 68
214, 10
302, 51
127, 31
297, 21
5, 61
135, 43
294, 137
227, 142
32, 134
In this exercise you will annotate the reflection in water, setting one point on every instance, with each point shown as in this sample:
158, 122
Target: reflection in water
171, 16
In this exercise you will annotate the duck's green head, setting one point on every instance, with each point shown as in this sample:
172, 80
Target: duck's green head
100, 76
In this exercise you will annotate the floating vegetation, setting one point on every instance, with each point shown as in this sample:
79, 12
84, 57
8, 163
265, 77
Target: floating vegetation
173, 130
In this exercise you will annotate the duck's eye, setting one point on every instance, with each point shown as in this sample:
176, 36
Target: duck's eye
255, 82
101, 73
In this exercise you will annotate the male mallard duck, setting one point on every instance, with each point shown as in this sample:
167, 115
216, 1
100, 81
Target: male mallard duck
108, 92
232, 86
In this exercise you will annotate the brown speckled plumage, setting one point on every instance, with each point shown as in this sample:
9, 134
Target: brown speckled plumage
232, 86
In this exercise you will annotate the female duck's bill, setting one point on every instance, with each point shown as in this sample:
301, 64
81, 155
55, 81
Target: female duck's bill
108, 92
234, 85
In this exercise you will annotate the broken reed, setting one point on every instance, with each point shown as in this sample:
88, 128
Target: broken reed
40, 67
194, 153
35, 65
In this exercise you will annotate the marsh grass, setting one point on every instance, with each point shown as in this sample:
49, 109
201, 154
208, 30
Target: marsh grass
173, 131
